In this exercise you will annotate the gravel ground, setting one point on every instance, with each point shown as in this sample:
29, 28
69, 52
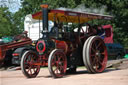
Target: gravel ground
111, 76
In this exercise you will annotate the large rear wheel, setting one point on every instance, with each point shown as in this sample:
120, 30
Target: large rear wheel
84, 55
27, 64
95, 54
57, 63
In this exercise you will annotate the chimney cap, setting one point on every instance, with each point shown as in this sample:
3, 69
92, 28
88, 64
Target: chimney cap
44, 5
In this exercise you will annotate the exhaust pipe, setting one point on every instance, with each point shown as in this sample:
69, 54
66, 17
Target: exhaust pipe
45, 19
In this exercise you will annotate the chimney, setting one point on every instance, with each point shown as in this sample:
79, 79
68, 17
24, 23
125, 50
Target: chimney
45, 17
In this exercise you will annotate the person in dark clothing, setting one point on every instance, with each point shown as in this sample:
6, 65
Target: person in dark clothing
101, 32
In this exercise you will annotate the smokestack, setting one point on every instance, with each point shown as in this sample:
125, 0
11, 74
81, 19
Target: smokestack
45, 17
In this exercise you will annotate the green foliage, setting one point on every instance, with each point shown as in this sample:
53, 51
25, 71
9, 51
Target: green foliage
5, 22
8, 27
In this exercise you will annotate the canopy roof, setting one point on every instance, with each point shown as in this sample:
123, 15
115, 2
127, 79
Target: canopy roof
71, 16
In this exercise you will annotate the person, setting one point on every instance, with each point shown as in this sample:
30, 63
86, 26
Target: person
91, 30
101, 32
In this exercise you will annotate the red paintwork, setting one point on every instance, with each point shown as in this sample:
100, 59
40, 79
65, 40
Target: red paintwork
44, 48
37, 14
67, 47
61, 45
72, 13
12, 45
15, 54
80, 14
43, 57
108, 33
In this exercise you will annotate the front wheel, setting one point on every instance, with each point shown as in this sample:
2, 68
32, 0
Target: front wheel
27, 64
57, 63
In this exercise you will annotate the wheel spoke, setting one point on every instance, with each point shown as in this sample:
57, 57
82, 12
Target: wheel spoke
27, 64
95, 53
56, 70
56, 64
92, 55
100, 63
96, 65
94, 61
34, 69
29, 70
62, 69
94, 45
32, 59
59, 58
103, 53
93, 49
100, 43
59, 67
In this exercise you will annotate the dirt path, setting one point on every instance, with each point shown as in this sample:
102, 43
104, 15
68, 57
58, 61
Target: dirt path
109, 77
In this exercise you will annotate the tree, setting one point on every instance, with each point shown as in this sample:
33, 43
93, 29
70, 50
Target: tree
5, 22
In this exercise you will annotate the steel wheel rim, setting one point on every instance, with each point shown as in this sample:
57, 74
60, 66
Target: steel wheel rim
29, 69
98, 55
84, 55
58, 64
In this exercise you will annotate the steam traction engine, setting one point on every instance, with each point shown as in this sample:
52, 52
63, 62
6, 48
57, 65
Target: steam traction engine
65, 50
